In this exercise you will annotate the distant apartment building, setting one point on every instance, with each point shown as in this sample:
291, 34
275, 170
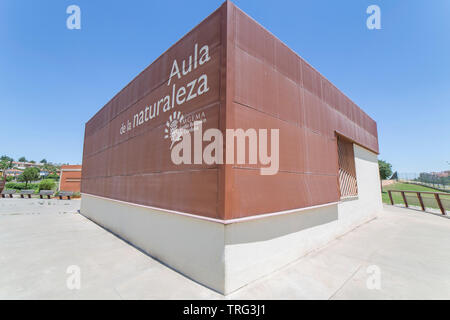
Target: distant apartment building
23, 165
13, 172
70, 178
44, 173
442, 174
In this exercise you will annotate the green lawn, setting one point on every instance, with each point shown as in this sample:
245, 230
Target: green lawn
428, 199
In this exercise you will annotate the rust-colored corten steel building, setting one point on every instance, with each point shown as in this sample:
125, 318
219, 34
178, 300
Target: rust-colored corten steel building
226, 225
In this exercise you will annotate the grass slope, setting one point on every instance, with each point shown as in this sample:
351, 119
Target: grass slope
429, 199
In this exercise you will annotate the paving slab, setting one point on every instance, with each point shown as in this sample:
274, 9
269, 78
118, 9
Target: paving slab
39, 241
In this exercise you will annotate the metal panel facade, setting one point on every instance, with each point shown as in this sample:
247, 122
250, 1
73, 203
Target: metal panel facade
127, 150
274, 88
253, 81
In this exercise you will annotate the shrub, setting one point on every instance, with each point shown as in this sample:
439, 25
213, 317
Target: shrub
53, 176
9, 179
47, 184
21, 186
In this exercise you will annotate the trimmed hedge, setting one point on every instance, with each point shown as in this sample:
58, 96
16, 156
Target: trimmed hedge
21, 186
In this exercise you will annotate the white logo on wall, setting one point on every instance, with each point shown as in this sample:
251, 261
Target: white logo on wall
177, 125
179, 93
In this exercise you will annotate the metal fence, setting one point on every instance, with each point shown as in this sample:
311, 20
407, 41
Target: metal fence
423, 200
440, 181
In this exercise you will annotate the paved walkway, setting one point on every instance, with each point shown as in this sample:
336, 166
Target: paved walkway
39, 240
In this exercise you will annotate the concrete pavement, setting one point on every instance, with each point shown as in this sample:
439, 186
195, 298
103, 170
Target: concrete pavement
40, 240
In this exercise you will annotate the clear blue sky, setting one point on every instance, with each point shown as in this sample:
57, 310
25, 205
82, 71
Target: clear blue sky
53, 80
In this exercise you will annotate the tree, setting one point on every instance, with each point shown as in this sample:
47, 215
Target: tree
385, 169
51, 168
5, 165
395, 176
22, 159
28, 175
44, 161
32, 161
6, 158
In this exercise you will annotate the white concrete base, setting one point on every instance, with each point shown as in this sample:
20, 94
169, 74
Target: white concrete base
225, 257
194, 247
